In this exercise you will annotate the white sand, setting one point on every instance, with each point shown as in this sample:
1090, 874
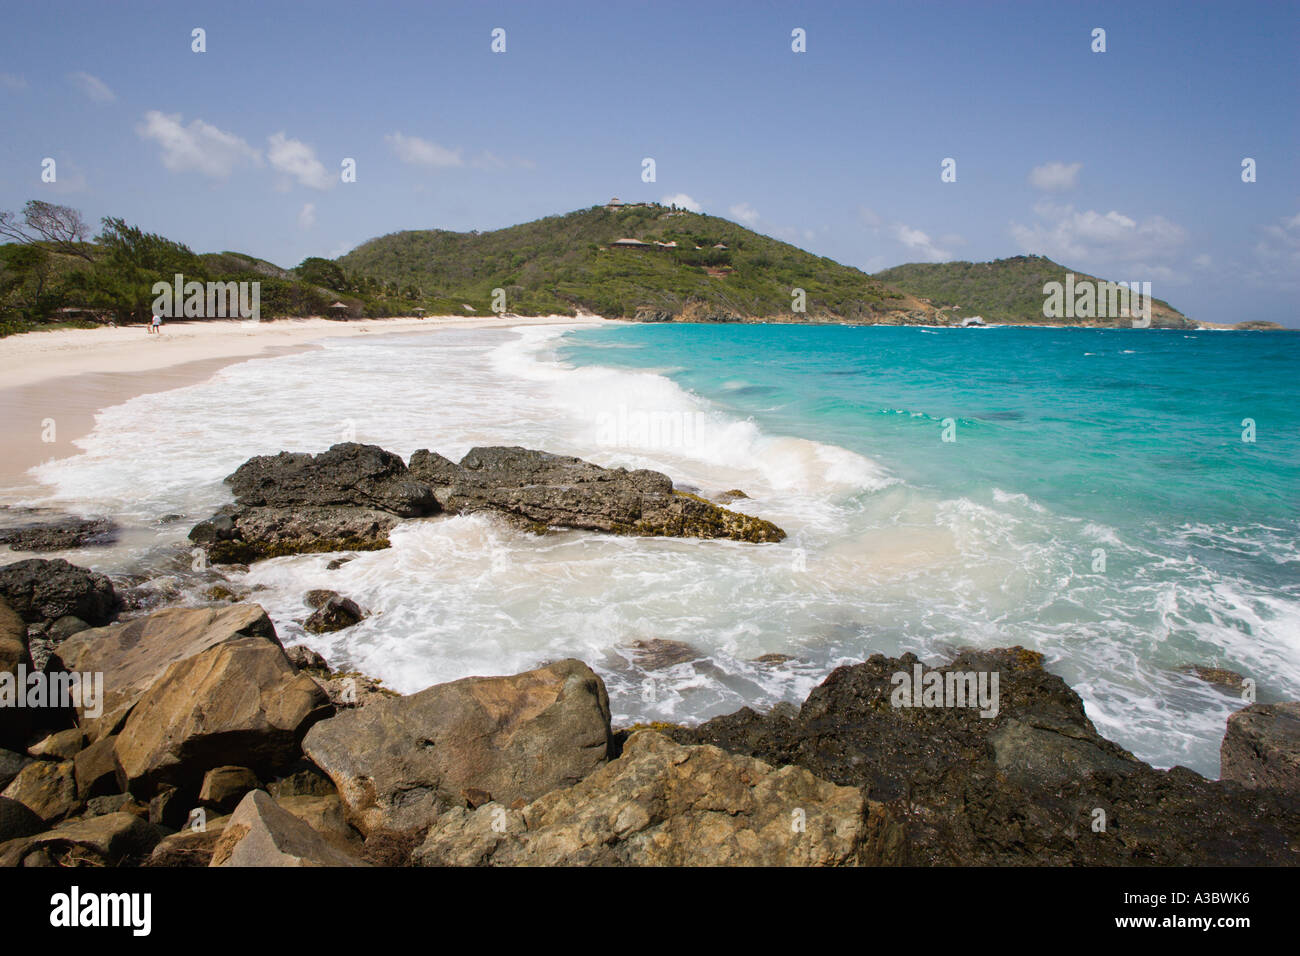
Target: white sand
61, 378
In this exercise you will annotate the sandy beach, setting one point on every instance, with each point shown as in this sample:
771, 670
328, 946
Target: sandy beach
53, 383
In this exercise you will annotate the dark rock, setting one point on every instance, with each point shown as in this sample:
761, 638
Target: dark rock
1021, 787
337, 563
727, 497
1262, 747
15, 659
334, 613
362, 476
10, 764
538, 490
259, 533
61, 535
303, 780
17, 820
42, 591
304, 658
1219, 676
64, 628
657, 654
399, 763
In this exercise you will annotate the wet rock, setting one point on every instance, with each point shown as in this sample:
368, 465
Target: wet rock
60, 535
304, 658
238, 702
727, 497
1218, 676
663, 804
538, 490
398, 763
658, 654
1262, 747
333, 613
42, 591
261, 833
134, 654
254, 534
337, 563
1031, 785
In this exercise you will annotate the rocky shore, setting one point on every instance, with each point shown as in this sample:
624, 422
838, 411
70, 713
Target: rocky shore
189, 736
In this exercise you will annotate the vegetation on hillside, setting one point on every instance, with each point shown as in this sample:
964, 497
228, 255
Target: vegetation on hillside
717, 270
1006, 291
52, 275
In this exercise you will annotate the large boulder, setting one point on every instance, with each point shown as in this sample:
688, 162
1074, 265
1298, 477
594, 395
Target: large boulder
398, 763
262, 833
1033, 783
132, 655
539, 490
42, 591
664, 804
18, 820
1262, 747
46, 787
238, 702
345, 499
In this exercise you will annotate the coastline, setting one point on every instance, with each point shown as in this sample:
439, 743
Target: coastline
67, 376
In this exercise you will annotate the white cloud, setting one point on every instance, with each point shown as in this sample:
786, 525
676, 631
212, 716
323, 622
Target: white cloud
421, 152
93, 87
198, 147
1086, 236
744, 212
307, 217
12, 82
919, 242
1055, 177
297, 159
682, 201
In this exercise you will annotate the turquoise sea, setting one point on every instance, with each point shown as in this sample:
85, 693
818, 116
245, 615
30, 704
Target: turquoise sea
1097, 504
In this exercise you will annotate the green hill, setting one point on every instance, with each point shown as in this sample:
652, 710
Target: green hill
684, 267
1006, 291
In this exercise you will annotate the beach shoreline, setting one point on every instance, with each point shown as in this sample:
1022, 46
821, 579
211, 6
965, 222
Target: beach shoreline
55, 382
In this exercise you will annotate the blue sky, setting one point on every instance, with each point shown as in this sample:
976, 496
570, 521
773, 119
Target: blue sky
1125, 163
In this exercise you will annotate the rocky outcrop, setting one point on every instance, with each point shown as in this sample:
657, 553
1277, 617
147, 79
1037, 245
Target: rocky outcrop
240, 701
42, 591
60, 535
345, 499
133, 655
663, 804
399, 763
333, 612
538, 490
1262, 747
1034, 783
261, 833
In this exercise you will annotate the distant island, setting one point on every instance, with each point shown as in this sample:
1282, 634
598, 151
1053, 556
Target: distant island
642, 262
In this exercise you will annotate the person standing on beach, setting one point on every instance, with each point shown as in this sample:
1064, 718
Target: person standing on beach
155, 327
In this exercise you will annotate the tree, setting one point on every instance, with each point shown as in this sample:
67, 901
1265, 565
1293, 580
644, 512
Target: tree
322, 272
60, 226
